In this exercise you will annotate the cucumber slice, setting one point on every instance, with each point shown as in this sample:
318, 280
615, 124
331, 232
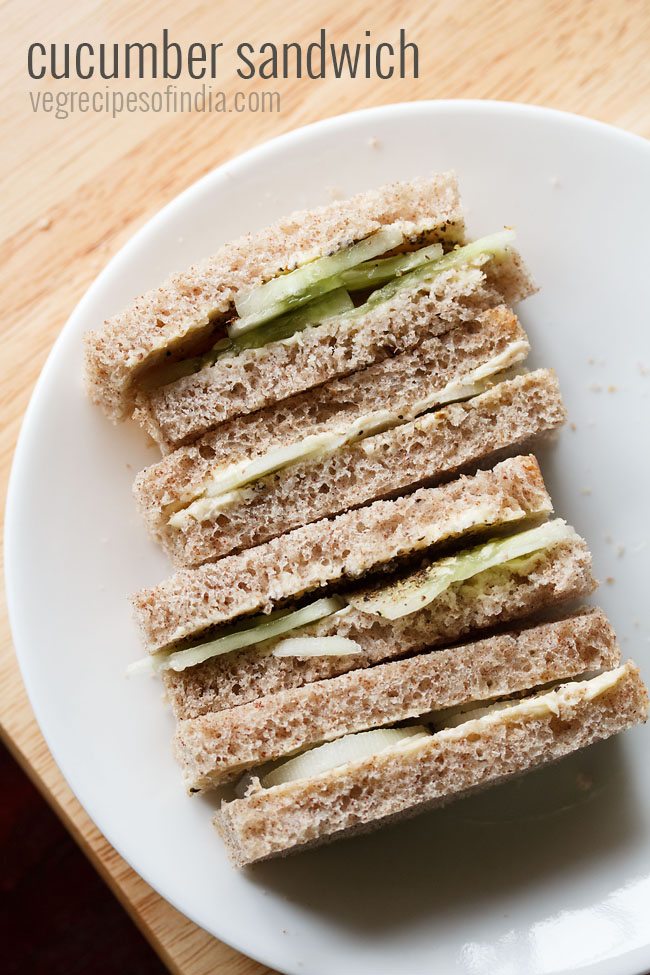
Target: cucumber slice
536, 706
420, 588
333, 303
230, 479
494, 245
316, 646
371, 274
239, 475
329, 298
225, 484
289, 291
349, 748
258, 629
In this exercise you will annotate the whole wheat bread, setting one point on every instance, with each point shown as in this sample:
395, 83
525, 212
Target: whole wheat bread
186, 409
183, 309
424, 451
559, 573
403, 781
217, 746
395, 384
354, 543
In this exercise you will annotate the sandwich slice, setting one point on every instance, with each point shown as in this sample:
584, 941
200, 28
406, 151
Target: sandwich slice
320, 295
394, 578
351, 441
217, 746
360, 781
494, 585
194, 602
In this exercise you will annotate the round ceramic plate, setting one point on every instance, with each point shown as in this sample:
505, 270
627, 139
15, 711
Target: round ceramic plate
551, 874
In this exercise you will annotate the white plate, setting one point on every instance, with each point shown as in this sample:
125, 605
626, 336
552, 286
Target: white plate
548, 875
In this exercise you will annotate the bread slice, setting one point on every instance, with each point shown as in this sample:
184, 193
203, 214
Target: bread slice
184, 410
401, 385
559, 573
217, 746
427, 450
182, 311
356, 542
402, 781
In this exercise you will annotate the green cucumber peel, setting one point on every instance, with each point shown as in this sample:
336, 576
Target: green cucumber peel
494, 245
289, 291
334, 303
372, 274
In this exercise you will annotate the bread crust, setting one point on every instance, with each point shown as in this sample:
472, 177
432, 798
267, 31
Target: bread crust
217, 746
400, 783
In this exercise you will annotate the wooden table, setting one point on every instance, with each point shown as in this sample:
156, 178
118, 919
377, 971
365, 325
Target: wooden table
75, 189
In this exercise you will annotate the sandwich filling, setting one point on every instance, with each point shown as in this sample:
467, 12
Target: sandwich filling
419, 589
229, 485
320, 759
517, 552
344, 286
289, 291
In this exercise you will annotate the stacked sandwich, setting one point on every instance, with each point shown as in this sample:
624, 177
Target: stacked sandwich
366, 617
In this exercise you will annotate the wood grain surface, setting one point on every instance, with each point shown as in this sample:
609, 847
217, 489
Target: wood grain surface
74, 190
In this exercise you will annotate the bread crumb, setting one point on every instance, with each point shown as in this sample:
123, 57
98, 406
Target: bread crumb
335, 192
44, 223
595, 388
612, 389
591, 361
374, 142
643, 369
573, 427
584, 782
610, 580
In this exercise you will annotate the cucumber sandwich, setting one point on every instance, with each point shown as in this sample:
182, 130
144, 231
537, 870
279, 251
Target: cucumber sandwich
364, 779
419, 417
372, 584
321, 294
217, 746
371, 608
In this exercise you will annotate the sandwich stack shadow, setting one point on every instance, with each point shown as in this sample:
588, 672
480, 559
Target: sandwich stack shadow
367, 558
